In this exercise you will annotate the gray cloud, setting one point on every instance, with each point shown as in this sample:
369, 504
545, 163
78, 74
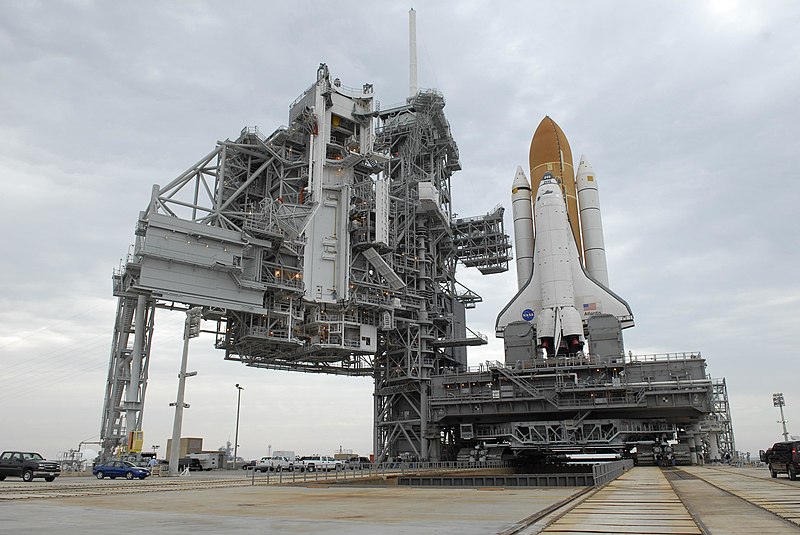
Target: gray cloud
686, 110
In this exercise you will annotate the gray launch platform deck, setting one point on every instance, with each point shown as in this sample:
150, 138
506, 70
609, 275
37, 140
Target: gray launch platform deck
643, 500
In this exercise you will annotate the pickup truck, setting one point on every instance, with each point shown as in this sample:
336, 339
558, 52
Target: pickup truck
274, 464
27, 465
320, 462
784, 458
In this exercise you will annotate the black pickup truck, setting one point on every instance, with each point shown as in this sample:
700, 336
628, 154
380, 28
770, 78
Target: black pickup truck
27, 465
783, 458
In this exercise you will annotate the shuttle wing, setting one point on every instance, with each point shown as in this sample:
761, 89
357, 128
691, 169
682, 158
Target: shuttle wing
524, 306
591, 298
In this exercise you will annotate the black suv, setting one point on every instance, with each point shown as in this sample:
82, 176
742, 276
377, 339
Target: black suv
784, 457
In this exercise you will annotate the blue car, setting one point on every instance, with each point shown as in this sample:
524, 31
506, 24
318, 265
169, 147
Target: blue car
115, 469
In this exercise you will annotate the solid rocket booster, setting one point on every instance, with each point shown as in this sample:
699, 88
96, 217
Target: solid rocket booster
521, 209
594, 250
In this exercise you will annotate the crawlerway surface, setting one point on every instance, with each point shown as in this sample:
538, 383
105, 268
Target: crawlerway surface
318, 510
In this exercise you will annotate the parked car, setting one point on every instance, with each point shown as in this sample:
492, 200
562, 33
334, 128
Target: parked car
358, 463
115, 469
784, 458
249, 465
27, 465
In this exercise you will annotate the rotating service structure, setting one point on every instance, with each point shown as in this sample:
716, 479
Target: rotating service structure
328, 246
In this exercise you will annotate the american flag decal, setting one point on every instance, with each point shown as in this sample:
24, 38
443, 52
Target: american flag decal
589, 307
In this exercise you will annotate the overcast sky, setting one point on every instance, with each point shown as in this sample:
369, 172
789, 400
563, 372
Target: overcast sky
688, 112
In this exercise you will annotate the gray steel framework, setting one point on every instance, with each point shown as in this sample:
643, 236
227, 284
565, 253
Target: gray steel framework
430, 332
722, 415
127, 368
480, 242
581, 403
258, 231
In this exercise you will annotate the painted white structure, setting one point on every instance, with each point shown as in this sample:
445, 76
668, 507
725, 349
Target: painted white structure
559, 296
522, 212
594, 249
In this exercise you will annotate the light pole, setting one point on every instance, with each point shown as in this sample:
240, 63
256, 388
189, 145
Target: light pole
236, 438
191, 330
777, 401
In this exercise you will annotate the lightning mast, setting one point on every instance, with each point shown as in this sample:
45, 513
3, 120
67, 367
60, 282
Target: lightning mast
412, 52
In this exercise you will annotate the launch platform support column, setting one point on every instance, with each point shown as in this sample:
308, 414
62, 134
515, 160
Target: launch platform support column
777, 401
376, 406
422, 315
191, 330
236, 436
693, 439
713, 447
132, 391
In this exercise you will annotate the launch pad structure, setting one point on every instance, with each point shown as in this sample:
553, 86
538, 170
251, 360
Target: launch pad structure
330, 246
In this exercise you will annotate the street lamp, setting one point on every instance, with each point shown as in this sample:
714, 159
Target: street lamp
777, 401
236, 438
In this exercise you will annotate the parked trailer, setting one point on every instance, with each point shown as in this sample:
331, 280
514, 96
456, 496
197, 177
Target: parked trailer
289, 454
210, 460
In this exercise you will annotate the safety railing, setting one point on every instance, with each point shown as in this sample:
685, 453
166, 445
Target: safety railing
366, 471
605, 472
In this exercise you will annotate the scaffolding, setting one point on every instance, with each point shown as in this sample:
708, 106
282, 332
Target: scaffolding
328, 246
481, 242
722, 414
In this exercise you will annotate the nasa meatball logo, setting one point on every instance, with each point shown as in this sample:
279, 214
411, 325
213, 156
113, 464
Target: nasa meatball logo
527, 314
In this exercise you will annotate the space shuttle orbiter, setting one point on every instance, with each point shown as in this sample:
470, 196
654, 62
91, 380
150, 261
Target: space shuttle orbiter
557, 292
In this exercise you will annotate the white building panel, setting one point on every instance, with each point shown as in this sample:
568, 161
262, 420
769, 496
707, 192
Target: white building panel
382, 211
190, 262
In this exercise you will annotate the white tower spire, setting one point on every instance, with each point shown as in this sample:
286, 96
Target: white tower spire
412, 51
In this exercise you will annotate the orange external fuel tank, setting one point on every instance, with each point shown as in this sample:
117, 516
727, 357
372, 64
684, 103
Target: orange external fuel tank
550, 152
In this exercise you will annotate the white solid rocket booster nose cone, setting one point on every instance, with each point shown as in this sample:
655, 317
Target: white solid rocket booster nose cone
520, 180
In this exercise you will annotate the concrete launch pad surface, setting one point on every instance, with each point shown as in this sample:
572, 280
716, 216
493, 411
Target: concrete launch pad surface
321, 510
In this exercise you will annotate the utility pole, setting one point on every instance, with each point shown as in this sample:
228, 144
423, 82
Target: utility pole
777, 401
191, 330
236, 438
